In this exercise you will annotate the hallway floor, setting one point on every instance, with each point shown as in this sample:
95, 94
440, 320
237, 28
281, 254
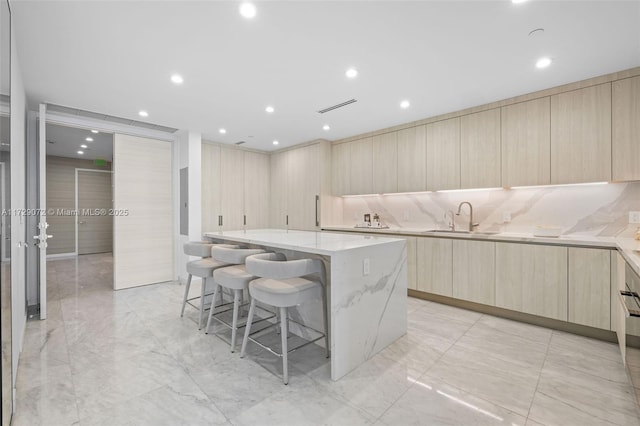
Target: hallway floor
127, 358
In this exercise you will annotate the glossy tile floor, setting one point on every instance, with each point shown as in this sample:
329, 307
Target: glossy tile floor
127, 358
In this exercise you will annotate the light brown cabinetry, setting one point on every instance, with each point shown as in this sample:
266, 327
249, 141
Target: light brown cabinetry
480, 149
474, 271
626, 129
385, 163
581, 135
256, 190
532, 279
278, 189
341, 169
412, 159
232, 188
590, 287
361, 171
303, 187
526, 143
411, 262
443, 154
435, 266
210, 187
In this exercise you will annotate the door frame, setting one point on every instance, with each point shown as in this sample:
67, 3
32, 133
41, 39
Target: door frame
77, 250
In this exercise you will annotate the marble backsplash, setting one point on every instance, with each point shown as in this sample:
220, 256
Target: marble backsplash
594, 209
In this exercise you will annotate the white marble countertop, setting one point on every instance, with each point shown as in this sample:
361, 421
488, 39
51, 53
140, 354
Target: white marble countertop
628, 247
324, 243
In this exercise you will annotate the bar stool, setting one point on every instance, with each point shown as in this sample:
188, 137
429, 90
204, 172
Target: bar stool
284, 284
234, 278
202, 268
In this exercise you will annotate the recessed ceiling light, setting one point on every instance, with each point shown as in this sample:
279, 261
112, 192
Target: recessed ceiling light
276, 142
543, 62
248, 10
94, 131
143, 113
80, 152
269, 108
177, 79
518, 1
83, 146
89, 139
351, 73
405, 104
222, 131
326, 127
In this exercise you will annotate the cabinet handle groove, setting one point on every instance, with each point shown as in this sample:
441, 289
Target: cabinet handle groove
317, 201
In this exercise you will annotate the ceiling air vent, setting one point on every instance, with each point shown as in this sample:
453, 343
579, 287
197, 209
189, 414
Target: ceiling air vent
340, 105
240, 142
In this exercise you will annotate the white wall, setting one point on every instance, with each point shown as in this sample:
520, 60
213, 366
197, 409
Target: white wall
18, 201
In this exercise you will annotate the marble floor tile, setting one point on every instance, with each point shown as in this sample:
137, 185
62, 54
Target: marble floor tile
52, 403
179, 402
550, 411
373, 387
458, 314
584, 362
530, 332
501, 382
562, 341
484, 339
431, 402
600, 398
412, 352
437, 331
308, 405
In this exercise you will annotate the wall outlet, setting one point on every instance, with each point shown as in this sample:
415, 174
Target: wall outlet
634, 217
366, 267
506, 217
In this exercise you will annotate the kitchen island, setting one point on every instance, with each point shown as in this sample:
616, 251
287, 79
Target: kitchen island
366, 288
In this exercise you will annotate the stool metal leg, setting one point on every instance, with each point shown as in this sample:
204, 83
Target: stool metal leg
325, 319
247, 328
186, 295
202, 291
234, 323
285, 350
213, 305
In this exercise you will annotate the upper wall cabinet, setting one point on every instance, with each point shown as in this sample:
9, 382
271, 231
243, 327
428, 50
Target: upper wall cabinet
232, 188
581, 135
526, 143
480, 149
626, 129
443, 154
385, 163
341, 169
210, 188
412, 159
304, 185
256, 190
361, 172
278, 189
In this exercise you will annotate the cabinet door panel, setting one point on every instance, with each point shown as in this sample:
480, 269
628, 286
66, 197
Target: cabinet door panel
412, 159
232, 188
443, 154
385, 163
474, 271
581, 135
590, 287
532, 279
480, 149
278, 189
526, 143
361, 172
341, 169
256, 190
210, 189
303, 185
435, 266
626, 129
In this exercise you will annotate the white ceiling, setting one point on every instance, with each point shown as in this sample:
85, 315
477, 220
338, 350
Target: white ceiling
116, 57
63, 141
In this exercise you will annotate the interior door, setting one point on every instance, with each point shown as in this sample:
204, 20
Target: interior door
93, 204
41, 237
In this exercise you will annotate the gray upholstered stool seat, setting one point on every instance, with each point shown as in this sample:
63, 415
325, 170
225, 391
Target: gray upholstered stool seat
234, 278
202, 268
284, 284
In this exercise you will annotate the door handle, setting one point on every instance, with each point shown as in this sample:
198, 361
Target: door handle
81, 223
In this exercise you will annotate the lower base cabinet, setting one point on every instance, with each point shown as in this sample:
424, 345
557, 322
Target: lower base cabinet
435, 266
474, 271
532, 279
590, 287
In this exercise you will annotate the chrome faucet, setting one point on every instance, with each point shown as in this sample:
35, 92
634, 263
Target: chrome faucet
452, 225
471, 224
